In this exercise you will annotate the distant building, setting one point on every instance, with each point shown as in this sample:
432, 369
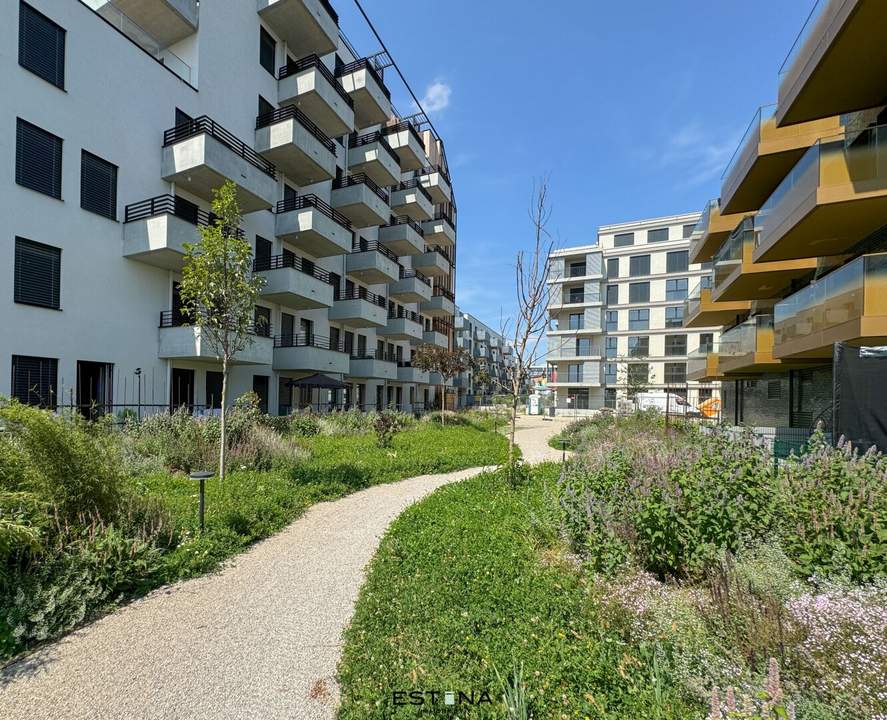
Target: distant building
488, 350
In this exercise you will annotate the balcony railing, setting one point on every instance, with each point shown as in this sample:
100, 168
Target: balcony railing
405, 220
852, 291
430, 169
441, 214
748, 142
361, 179
442, 252
361, 293
291, 112
364, 64
359, 245
415, 183
809, 29
400, 127
440, 291
171, 205
309, 340
731, 253
403, 313
383, 355
206, 125
181, 318
410, 273
300, 202
441, 326
291, 260
747, 337
356, 141
313, 61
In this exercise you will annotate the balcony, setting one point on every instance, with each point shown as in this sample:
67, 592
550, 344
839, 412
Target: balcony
564, 300
411, 199
412, 286
738, 277
405, 140
441, 304
710, 232
434, 262
372, 100
155, 230
438, 334
437, 182
295, 282
167, 21
765, 155
406, 373
834, 197
370, 154
372, 263
359, 308
402, 325
832, 67
309, 84
748, 347
561, 348
403, 236
310, 25
376, 365
703, 365
363, 202
287, 137
701, 311
200, 155
311, 224
179, 340
440, 230
847, 305
309, 352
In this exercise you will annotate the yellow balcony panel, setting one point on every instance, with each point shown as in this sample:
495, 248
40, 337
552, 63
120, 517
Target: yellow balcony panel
765, 155
847, 305
711, 231
701, 311
747, 348
834, 65
738, 277
834, 197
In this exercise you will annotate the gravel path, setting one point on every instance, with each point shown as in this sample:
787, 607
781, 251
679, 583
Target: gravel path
533, 433
260, 639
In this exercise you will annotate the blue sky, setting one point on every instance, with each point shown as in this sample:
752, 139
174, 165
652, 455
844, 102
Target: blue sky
631, 108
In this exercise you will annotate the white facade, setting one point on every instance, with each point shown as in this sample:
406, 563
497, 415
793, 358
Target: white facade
616, 307
116, 277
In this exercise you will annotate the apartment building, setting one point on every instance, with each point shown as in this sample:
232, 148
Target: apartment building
489, 350
616, 314
798, 237
122, 118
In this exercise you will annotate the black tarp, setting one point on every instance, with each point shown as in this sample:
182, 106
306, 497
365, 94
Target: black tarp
860, 391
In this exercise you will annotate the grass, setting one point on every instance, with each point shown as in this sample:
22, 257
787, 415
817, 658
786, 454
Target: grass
461, 596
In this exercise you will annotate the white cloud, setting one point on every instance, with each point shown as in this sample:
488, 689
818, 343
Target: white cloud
696, 155
437, 97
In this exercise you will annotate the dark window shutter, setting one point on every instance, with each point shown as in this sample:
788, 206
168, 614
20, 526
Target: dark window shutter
38, 159
263, 248
41, 45
34, 380
98, 185
267, 47
265, 108
37, 273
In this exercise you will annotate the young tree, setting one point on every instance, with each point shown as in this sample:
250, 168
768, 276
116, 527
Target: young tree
218, 289
482, 378
635, 376
443, 361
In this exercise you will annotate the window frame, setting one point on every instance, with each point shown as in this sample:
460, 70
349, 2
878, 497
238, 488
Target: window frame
619, 240
650, 235
55, 77
669, 351
639, 287
22, 163
85, 182
634, 260
639, 319
55, 279
673, 291
677, 254
264, 36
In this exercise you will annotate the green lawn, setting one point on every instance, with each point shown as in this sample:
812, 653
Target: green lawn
460, 589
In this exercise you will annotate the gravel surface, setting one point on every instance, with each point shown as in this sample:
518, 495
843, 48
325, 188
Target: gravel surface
259, 639
533, 433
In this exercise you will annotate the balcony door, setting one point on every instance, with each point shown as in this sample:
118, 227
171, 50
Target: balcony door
181, 393
95, 382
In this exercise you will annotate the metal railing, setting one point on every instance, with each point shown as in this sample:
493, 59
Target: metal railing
361, 179
400, 127
404, 314
441, 326
361, 293
300, 202
356, 141
430, 169
411, 273
291, 260
404, 220
414, 184
440, 251
440, 214
383, 355
171, 205
308, 340
443, 292
313, 61
364, 64
181, 318
291, 112
206, 125
359, 245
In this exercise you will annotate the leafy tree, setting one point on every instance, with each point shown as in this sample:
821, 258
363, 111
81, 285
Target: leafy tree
218, 288
443, 361
635, 376
482, 378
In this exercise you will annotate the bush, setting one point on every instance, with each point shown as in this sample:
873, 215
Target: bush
386, 425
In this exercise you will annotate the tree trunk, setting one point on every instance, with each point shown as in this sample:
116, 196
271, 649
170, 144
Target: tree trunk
443, 405
223, 439
512, 431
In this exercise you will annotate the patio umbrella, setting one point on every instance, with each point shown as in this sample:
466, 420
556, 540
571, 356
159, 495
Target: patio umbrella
318, 380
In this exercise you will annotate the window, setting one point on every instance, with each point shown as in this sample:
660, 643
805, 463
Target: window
613, 267
260, 388
574, 372
612, 320
609, 373
639, 292
612, 346
623, 240
213, 390
657, 235
674, 316
41, 45
267, 51
638, 374
676, 289
336, 338
37, 274
577, 295
638, 346
677, 261
687, 231
675, 344
38, 159
577, 321
706, 342
262, 321
583, 347
638, 265
704, 394
610, 398
774, 390
34, 380
577, 269
263, 251
265, 108
612, 294
639, 319
98, 185
675, 373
